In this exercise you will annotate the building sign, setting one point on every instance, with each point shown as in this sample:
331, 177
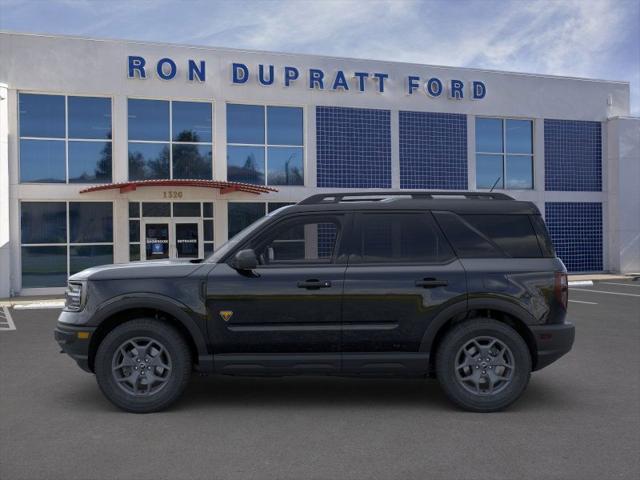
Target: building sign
312, 78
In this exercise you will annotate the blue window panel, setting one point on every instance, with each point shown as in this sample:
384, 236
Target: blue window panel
489, 171
87, 256
148, 119
243, 214
90, 162
44, 267
191, 122
284, 126
90, 222
41, 115
192, 161
572, 155
245, 124
42, 161
43, 222
353, 147
245, 164
148, 161
433, 150
89, 117
489, 135
519, 136
576, 232
519, 172
285, 166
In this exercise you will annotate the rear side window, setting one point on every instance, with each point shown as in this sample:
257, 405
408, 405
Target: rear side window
546, 245
400, 238
487, 236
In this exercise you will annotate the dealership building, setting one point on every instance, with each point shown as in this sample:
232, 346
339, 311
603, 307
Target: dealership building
113, 151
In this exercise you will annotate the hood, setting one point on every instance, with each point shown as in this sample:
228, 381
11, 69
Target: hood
148, 269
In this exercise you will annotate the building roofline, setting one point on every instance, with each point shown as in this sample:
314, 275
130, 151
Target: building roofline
313, 55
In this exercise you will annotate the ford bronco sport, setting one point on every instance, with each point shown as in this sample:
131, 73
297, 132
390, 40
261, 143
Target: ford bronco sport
462, 286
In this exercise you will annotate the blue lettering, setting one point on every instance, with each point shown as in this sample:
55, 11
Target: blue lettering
236, 77
261, 78
136, 64
172, 68
433, 87
195, 71
380, 77
290, 74
340, 81
456, 90
413, 84
479, 90
316, 77
362, 77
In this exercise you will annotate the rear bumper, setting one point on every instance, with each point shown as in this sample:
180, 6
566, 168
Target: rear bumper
73, 344
552, 342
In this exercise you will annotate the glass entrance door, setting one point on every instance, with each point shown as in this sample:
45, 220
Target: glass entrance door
172, 238
156, 240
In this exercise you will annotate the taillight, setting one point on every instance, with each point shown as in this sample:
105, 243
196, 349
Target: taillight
561, 288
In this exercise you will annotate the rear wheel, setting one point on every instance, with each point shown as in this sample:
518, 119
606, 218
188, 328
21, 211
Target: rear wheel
483, 365
143, 365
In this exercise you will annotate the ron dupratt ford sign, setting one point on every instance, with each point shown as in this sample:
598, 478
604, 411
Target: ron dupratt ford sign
313, 78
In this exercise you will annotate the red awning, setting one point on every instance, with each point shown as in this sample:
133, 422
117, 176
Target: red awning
224, 187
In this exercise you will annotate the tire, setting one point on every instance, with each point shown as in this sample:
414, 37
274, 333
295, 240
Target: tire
143, 365
472, 382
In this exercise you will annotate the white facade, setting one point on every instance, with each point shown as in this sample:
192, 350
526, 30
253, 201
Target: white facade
82, 67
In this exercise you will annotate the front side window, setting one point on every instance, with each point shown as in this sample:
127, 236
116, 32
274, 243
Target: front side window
504, 153
65, 139
400, 238
170, 139
265, 144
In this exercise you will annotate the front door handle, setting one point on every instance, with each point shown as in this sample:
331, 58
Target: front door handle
314, 284
431, 283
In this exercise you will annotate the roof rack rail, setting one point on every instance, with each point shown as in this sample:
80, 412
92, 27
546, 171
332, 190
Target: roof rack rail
416, 195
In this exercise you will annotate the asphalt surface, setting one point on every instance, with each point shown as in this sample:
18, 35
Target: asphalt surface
579, 418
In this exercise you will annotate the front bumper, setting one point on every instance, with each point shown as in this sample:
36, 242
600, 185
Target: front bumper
552, 342
75, 341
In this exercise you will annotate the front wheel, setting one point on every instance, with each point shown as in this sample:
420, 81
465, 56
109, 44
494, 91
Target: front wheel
143, 365
483, 365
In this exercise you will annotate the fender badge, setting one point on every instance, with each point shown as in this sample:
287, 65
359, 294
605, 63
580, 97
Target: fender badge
226, 315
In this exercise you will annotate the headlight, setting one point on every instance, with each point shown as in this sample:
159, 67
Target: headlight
74, 297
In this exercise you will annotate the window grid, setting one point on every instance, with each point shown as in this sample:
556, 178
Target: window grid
68, 139
576, 231
504, 154
68, 244
265, 146
433, 150
171, 142
353, 147
573, 155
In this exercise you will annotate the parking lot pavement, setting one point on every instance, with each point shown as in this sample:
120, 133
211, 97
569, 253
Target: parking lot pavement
579, 418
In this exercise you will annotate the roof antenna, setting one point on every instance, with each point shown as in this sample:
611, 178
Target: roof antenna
494, 184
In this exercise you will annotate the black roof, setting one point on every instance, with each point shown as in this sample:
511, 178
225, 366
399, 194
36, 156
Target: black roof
458, 202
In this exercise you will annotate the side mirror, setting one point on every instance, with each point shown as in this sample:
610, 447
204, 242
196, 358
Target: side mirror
245, 260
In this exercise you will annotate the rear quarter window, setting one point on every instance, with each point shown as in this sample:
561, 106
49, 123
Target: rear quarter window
490, 236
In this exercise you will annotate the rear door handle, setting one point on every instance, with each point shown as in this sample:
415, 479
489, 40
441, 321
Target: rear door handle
431, 283
314, 284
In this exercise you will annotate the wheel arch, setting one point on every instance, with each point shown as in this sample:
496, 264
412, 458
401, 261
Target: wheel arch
121, 310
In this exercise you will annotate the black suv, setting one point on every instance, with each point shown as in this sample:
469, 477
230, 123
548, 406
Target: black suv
462, 286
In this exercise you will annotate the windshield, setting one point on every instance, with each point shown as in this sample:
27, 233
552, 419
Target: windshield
239, 237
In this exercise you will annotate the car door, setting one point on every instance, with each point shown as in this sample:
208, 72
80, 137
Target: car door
402, 274
286, 313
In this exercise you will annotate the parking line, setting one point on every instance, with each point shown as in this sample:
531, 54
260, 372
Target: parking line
609, 293
7, 324
623, 284
580, 301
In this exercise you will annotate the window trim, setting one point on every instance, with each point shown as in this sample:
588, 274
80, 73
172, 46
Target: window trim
265, 146
355, 257
504, 154
66, 139
170, 142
